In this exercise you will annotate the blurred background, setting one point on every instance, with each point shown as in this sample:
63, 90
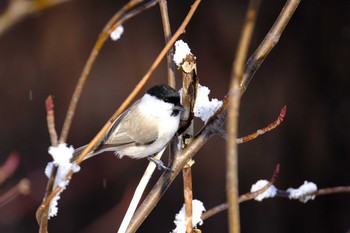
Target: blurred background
308, 70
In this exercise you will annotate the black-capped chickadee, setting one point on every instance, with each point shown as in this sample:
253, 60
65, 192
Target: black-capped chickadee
144, 128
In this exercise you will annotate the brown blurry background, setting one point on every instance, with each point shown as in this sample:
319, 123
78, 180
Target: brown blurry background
308, 71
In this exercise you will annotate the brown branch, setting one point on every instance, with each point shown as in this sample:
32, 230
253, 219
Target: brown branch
280, 193
167, 34
188, 196
50, 118
333, 190
245, 197
189, 95
269, 42
83, 77
233, 112
318, 192
264, 130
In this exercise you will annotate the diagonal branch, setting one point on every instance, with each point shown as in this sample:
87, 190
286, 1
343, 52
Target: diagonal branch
269, 42
245, 197
83, 77
264, 130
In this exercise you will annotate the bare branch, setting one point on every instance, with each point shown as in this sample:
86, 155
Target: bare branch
83, 77
245, 197
50, 118
167, 34
189, 95
269, 42
233, 112
264, 130
188, 196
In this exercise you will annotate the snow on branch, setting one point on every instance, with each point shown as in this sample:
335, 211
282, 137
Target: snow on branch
61, 155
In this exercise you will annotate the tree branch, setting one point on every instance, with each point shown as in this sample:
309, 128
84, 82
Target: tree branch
233, 113
167, 34
269, 42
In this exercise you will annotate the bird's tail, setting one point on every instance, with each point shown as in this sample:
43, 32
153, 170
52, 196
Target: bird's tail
78, 151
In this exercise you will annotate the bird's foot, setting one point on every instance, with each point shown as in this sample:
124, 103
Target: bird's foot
159, 163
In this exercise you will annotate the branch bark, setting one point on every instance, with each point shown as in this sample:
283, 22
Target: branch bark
233, 113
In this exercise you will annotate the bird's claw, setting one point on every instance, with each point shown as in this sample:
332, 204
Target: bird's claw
159, 163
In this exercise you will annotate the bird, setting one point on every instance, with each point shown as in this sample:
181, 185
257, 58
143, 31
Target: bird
144, 129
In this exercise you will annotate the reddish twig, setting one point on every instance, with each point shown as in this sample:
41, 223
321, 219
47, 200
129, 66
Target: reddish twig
266, 129
50, 118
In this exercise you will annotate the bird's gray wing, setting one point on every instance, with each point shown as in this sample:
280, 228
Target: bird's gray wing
130, 128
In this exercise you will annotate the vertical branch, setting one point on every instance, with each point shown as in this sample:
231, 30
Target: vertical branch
188, 194
269, 42
50, 117
233, 112
167, 34
189, 94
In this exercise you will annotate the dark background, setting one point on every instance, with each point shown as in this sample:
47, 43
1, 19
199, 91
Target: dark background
308, 71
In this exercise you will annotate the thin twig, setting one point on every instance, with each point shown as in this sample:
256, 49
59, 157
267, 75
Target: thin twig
131, 13
245, 197
280, 193
318, 192
50, 118
167, 35
233, 112
269, 42
83, 77
264, 130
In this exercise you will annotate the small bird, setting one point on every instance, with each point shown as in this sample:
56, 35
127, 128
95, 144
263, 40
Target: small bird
144, 128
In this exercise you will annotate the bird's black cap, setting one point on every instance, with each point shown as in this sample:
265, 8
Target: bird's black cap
165, 93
